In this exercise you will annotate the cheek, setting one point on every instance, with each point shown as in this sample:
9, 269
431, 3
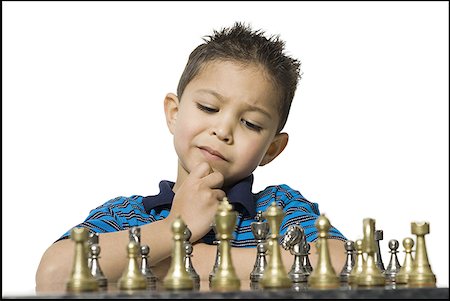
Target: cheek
252, 152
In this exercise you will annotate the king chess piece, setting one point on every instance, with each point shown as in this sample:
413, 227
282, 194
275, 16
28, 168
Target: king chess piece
145, 268
260, 230
294, 240
132, 278
225, 278
349, 247
81, 279
275, 275
421, 274
324, 276
402, 277
394, 266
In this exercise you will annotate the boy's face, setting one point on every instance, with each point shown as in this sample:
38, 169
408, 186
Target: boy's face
227, 117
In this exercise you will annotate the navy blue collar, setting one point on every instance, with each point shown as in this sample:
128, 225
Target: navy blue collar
240, 195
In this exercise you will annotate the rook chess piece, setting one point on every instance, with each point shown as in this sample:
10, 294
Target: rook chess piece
324, 276
359, 263
145, 267
95, 268
349, 261
81, 279
393, 266
225, 278
402, 276
260, 230
421, 274
132, 278
275, 275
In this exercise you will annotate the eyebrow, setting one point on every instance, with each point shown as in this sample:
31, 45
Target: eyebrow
250, 107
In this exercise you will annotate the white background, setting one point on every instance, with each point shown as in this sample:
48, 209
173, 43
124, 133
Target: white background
82, 119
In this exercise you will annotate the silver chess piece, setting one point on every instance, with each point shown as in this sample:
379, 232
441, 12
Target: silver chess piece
349, 261
306, 263
188, 261
260, 230
135, 235
394, 266
378, 258
294, 240
145, 267
94, 266
217, 261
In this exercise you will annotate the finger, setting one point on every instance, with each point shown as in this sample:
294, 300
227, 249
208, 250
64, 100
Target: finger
213, 180
201, 170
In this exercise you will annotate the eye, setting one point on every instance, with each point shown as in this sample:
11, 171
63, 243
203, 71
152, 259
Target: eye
206, 109
251, 126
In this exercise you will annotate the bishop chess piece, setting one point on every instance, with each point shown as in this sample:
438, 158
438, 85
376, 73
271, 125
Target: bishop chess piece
403, 274
324, 276
378, 258
94, 266
145, 268
359, 264
188, 259
81, 279
394, 266
260, 230
349, 261
421, 275
371, 274
275, 275
294, 240
225, 278
132, 278
177, 277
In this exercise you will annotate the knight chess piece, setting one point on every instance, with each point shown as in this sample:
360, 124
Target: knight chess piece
188, 259
403, 274
275, 275
260, 230
81, 279
324, 276
394, 266
132, 278
177, 277
294, 241
349, 247
359, 263
145, 267
377, 255
94, 266
371, 274
421, 274
225, 278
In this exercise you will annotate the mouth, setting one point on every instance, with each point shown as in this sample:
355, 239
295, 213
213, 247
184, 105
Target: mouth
211, 154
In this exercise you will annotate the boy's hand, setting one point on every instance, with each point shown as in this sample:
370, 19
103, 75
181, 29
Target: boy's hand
197, 199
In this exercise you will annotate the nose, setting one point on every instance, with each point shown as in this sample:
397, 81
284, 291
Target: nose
223, 131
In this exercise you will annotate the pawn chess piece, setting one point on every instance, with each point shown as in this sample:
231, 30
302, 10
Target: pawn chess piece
177, 277
132, 278
403, 274
349, 261
225, 278
305, 259
275, 275
95, 268
81, 279
260, 230
359, 264
188, 259
324, 276
371, 274
294, 240
377, 255
93, 239
421, 274
216, 262
394, 266
145, 267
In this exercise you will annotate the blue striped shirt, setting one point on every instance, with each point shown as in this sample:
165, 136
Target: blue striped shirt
122, 213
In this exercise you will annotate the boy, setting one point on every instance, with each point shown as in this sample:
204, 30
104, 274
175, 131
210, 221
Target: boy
232, 102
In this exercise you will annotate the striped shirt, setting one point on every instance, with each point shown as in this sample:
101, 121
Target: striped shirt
122, 213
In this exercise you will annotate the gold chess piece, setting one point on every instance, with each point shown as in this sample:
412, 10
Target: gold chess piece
323, 276
225, 278
359, 263
371, 274
402, 277
177, 277
421, 274
81, 279
132, 278
275, 275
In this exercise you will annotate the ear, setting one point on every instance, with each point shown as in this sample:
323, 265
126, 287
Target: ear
171, 103
276, 147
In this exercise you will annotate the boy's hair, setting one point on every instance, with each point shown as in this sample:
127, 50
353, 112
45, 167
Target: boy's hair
240, 43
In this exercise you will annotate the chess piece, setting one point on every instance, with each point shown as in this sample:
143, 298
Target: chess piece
306, 263
377, 255
81, 279
393, 266
135, 234
132, 278
260, 230
225, 278
402, 276
421, 274
349, 261
95, 268
371, 274
188, 261
177, 277
275, 275
145, 267
216, 262
93, 239
359, 263
324, 276
294, 240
